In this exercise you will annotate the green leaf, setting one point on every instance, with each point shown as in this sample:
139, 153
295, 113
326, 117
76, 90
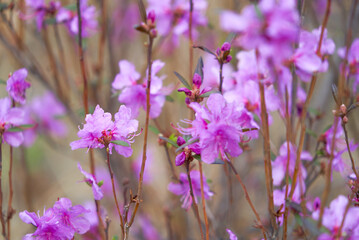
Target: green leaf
187, 137
50, 21
121, 143
169, 99
205, 49
2, 81
3, 6
20, 128
183, 81
199, 67
272, 156
187, 143
100, 183
209, 181
71, 7
327, 128
207, 94
231, 36
169, 141
311, 132
154, 129
298, 219
115, 238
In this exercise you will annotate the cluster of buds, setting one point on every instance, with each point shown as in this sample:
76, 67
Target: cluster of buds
222, 53
194, 94
148, 27
342, 112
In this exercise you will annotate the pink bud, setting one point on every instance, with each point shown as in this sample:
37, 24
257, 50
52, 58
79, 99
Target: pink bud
226, 47
197, 80
151, 16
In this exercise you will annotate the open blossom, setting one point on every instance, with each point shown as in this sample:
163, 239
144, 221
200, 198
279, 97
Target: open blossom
353, 62
16, 85
44, 113
332, 220
60, 222
271, 25
183, 188
305, 57
340, 147
186, 154
10, 117
89, 22
99, 130
90, 179
173, 17
219, 128
280, 163
38, 9
133, 94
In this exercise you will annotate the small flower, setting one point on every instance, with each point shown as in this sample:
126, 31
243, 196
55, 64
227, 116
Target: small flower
186, 154
232, 236
183, 188
194, 94
90, 179
222, 53
16, 85
10, 117
99, 130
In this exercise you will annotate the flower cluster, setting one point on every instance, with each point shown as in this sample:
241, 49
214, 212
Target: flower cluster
16, 85
99, 131
220, 128
44, 113
134, 94
10, 117
60, 222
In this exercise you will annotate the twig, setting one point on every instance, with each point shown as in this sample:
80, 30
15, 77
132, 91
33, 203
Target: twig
203, 201
248, 199
113, 189
1, 195
193, 199
349, 151
190, 40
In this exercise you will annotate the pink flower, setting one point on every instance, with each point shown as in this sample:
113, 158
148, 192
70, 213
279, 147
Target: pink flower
90, 179
219, 128
44, 112
10, 117
173, 16
133, 95
58, 223
89, 23
183, 188
99, 130
16, 85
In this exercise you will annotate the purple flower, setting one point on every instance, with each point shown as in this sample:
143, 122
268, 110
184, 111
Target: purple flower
183, 188
90, 179
173, 16
340, 147
38, 9
99, 130
89, 23
280, 163
194, 94
333, 217
232, 236
133, 95
271, 25
16, 85
10, 117
58, 223
71, 218
219, 128
44, 113
353, 62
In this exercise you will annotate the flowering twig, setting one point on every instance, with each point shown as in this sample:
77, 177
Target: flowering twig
148, 27
1, 194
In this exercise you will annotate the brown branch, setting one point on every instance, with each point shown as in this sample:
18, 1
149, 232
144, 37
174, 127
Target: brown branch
203, 201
